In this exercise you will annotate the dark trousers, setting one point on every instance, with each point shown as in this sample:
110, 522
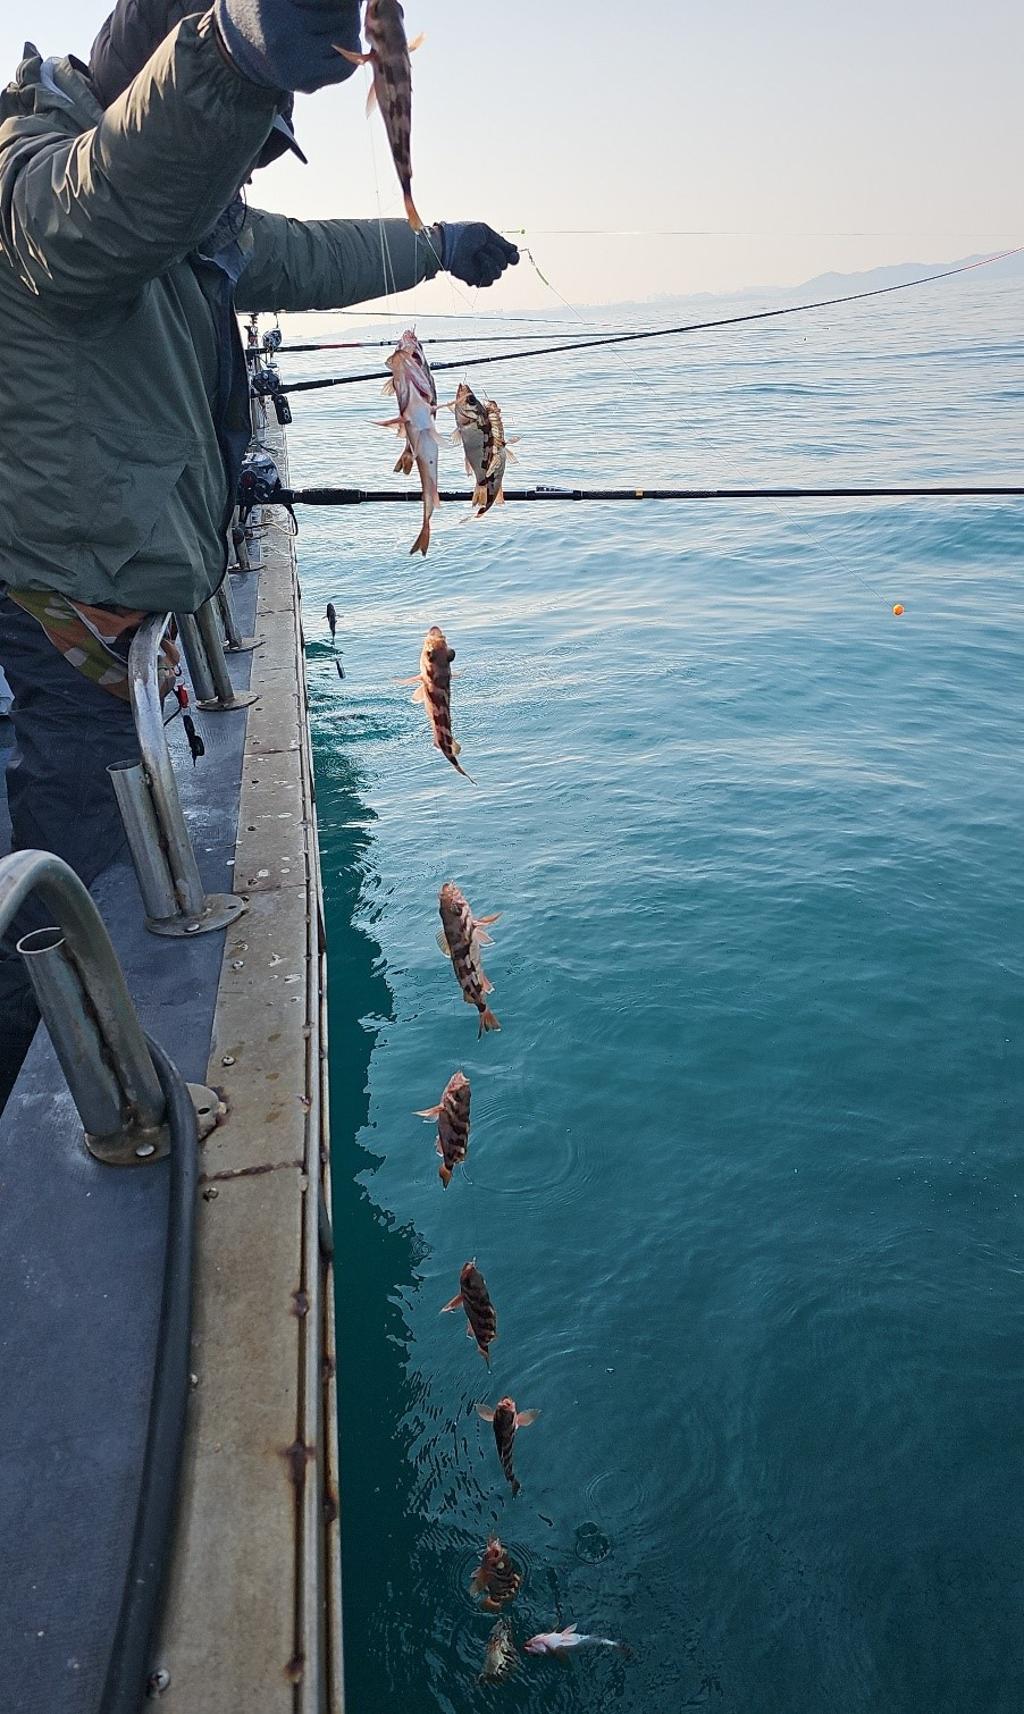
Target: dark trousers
67, 730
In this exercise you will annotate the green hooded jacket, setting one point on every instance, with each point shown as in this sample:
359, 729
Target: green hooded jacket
113, 486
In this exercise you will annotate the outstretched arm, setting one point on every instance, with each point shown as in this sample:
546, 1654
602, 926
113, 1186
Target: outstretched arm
326, 264
96, 215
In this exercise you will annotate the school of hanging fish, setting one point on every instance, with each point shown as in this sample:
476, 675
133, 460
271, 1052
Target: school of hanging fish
480, 430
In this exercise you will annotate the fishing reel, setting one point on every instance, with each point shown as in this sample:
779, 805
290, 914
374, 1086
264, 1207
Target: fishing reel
272, 340
259, 484
266, 381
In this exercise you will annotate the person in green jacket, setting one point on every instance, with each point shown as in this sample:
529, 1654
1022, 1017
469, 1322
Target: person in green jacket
126, 249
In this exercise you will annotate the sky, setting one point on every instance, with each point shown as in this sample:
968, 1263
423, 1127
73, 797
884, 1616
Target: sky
672, 148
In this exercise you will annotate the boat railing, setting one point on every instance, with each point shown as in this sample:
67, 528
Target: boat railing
175, 900
203, 643
84, 1002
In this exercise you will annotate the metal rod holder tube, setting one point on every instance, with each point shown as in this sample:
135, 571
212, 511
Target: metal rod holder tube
235, 643
208, 621
167, 868
76, 1039
156, 883
195, 655
87, 951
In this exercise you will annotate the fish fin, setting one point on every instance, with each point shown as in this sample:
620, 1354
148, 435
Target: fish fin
488, 1021
419, 694
469, 1331
427, 1112
371, 99
392, 422
486, 984
569, 1631
523, 1420
445, 948
353, 58
456, 1303
477, 1583
499, 498
510, 454
495, 916
485, 1412
410, 213
482, 938
417, 41
417, 678
456, 746
422, 542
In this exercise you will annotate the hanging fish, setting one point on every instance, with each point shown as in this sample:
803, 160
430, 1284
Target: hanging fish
479, 426
452, 1115
196, 746
433, 688
332, 619
496, 1578
475, 1299
341, 669
559, 1643
416, 396
391, 90
461, 937
506, 1420
500, 1653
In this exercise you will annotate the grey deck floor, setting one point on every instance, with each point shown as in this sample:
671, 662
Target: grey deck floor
81, 1261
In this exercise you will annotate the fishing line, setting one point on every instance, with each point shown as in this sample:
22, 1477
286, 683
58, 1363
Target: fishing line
388, 344
790, 517
669, 332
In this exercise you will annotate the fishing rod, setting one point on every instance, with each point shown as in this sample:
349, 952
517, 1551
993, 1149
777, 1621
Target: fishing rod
412, 496
389, 344
667, 332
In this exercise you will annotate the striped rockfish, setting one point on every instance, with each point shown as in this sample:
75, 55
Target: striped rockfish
500, 1654
495, 1578
479, 426
433, 688
475, 1299
461, 937
506, 1420
452, 1115
416, 397
391, 89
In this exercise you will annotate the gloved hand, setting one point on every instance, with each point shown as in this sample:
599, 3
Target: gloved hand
474, 252
289, 44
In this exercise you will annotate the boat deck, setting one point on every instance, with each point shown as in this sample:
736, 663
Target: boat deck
251, 1615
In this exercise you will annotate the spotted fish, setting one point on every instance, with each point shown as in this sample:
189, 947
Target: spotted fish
461, 937
452, 1115
391, 90
495, 1578
433, 688
506, 1420
475, 1299
500, 1653
479, 426
416, 397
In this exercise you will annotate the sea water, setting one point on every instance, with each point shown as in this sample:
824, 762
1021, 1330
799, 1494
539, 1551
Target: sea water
745, 1168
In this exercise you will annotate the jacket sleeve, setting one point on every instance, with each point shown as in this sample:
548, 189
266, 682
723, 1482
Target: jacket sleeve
326, 264
96, 215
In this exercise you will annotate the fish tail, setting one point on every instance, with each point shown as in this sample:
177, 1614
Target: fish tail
488, 1021
411, 215
422, 542
444, 1173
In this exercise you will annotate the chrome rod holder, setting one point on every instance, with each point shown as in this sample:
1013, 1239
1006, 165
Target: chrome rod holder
207, 662
234, 642
85, 1005
147, 794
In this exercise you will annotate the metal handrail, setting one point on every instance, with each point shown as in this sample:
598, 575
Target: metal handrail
147, 796
92, 1023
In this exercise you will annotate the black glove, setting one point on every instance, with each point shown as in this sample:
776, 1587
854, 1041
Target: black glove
289, 44
474, 252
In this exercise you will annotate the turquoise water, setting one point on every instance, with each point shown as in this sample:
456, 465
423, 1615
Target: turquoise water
744, 1176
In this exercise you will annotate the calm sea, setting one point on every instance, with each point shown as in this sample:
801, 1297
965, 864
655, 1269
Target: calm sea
745, 1167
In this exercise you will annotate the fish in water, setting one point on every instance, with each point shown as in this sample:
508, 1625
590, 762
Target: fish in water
332, 618
416, 397
341, 669
475, 1299
196, 746
461, 937
495, 1578
500, 1653
559, 1643
506, 1420
479, 426
391, 90
452, 1115
433, 688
